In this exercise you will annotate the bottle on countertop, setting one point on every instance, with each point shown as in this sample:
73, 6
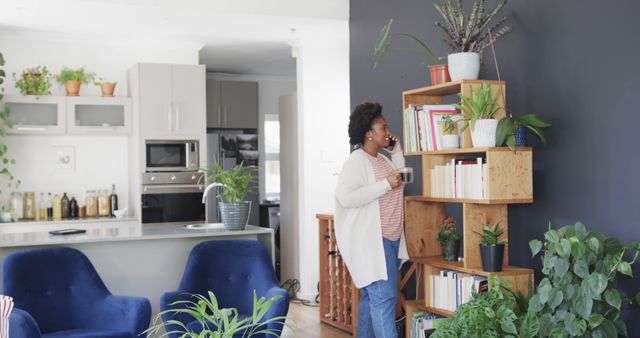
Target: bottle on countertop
49, 207
42, 208
16, 205
73, 208
29, 206
92, 203
103, 202
57, 208
64, 206
113, 200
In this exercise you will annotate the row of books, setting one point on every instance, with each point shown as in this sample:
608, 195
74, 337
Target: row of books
450, 289
423, 324
424, 126
460, 179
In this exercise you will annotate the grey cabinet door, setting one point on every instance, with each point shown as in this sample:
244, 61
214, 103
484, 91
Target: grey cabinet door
214, 106
239, 104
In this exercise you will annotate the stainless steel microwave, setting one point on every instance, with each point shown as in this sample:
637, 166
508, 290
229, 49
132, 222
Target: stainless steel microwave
171, 155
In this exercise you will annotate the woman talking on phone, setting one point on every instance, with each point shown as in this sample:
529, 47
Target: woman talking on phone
369, 218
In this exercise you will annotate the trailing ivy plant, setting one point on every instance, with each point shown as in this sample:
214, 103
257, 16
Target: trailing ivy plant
496, 313
579, 294
5, 123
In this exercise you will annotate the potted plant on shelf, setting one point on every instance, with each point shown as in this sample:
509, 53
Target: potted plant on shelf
449, 239
491, 250
511, 130
450, 137
477, 112
468, 35
34, 81
73, 78
235, 184
217, 322
439, 72
107, 87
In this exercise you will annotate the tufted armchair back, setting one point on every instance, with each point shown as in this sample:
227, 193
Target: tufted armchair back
57, 286
232, 269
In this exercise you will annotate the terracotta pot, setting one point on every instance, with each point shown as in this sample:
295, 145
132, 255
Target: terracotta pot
439, 74
107, 88
72, 87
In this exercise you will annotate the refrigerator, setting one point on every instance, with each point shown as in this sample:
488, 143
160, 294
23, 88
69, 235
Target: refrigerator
229, 148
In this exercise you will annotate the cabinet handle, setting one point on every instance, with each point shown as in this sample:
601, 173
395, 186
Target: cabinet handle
170, 127
31, 128
225, 114
177, 116
219, 123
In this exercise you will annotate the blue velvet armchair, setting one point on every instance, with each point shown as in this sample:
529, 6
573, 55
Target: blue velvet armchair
58, 293
232, 270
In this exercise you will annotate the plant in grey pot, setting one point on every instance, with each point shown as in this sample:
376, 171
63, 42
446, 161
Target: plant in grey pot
468, 34
449, 239
236, 183
491, 249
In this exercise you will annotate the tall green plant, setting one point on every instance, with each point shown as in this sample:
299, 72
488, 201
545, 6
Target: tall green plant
5, 123
470, 33
385, 42
481, 104
236, 182
579, 294
216, 322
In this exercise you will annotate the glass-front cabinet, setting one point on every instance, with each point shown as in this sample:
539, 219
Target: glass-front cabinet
60, 115
102, 115
36, 115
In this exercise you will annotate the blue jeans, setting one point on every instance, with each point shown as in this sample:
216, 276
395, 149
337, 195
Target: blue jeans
377, 307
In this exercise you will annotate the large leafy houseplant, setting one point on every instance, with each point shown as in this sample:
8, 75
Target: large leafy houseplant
216, 322
579, 294
508, 128
34, 81
496, 313
5, 123
235, 182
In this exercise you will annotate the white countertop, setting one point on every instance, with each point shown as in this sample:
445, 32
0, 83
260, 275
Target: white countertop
134, 233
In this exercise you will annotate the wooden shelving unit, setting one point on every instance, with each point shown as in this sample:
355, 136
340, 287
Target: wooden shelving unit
338, 295
509, 181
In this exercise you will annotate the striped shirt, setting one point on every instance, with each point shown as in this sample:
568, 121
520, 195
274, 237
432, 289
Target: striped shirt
391, 203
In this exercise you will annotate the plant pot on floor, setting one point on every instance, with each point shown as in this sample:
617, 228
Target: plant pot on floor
72, 87
235, 215
107, 89
464, 66
450, 141
492, 256
439, 74
450, 250
483, 134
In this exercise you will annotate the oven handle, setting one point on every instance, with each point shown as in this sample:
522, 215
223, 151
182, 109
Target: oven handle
171, 188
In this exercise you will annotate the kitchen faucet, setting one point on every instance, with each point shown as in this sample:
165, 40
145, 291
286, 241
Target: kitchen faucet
206, 190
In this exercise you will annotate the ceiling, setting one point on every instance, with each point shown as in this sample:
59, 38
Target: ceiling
248, 36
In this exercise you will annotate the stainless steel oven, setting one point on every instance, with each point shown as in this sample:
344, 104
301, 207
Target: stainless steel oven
171, 155
172, 197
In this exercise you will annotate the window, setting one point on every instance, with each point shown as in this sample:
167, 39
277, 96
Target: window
272, 154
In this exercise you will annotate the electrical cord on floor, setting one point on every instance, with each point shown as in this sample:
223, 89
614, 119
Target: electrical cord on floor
292, 286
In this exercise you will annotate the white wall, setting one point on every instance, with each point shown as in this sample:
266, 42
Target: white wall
100, 161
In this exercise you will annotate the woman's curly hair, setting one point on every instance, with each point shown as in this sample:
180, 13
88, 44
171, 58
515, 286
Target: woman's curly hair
361, 121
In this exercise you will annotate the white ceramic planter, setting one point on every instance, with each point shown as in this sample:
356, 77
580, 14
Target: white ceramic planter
450, 142
484, 133
464, 66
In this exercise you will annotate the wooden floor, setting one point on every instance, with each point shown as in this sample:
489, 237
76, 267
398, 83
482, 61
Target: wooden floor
304, 322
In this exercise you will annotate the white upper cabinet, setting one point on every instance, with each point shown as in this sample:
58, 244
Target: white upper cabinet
36, 115
98, 115
60, 115
172, 100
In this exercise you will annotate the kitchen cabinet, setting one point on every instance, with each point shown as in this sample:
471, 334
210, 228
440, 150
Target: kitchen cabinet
232, 104
172, 100
73, 115
98, 115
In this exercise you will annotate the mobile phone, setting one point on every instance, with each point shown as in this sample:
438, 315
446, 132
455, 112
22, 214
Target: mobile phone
392, 142
67, 232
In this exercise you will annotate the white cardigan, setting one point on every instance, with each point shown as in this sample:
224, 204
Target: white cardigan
357, 218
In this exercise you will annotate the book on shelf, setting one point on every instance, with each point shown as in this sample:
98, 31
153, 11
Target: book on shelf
463, 179
424, 126
450, 289
423, 323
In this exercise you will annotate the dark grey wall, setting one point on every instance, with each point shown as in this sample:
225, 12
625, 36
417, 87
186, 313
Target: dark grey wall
576, 62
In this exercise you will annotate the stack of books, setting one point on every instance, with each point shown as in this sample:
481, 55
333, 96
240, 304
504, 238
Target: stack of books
460, 179
424, 126
423, 324
450, 289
